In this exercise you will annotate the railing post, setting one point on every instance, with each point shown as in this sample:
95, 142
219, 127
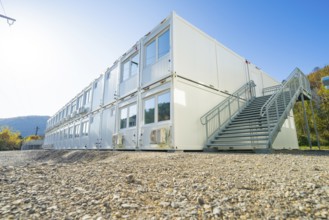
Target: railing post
207, 128
218, 117
229, 107
315, 127
277, 109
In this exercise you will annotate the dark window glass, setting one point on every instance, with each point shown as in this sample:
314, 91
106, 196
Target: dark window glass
123, 118
164, 107
149, 108
132, 116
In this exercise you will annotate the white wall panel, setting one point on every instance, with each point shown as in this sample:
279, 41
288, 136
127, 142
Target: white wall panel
190, 103
194, 54
111, 85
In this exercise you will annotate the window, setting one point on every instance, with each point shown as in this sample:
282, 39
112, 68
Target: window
157, 48
123, 118
87, 97
128, 116
125, 71
70, 132
164, 107
150, 53
134, 65
132, 116
162, 111
65, 133
163, 44
74, 106
130, 67
79, 101
85, 128
77, 131
149, 107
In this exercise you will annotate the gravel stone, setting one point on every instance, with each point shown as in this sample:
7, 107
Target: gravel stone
155, 185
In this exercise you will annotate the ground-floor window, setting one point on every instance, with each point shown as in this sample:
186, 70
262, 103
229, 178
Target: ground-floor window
128, 116
77, 131
70, 132
157, 108
85, 128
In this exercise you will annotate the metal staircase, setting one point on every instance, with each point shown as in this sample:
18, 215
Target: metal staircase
243, 121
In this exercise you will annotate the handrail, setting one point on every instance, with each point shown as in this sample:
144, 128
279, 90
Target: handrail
291, 88
223, 113
297, 73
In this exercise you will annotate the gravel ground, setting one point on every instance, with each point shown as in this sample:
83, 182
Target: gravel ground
155, 185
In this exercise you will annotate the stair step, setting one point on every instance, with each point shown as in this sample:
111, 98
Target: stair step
247, 139
241, 135
238, 144
247, 127
245, 131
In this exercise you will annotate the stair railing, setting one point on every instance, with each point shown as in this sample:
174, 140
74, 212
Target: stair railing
284, 98
223, 113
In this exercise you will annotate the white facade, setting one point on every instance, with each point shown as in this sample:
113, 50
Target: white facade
153, 96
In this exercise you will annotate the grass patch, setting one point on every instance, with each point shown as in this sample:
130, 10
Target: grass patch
314, 147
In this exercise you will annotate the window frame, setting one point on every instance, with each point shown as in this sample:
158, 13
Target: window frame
156, 40
127, 107
85, 128
156, 107
129, 62
77, 130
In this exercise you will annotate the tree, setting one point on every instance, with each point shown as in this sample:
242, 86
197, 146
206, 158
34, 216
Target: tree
321, 110
32, 138
10, 140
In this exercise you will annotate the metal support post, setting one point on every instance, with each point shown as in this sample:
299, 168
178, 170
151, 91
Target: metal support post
306, 122
315, 126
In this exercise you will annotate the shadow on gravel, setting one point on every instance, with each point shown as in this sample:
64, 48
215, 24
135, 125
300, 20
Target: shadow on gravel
72, 156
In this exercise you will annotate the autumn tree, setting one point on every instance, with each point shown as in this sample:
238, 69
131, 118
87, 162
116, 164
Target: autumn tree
320, 103
10, 140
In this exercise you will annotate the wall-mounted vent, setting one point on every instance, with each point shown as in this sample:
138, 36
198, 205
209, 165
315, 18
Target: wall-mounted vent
117, 140
159, 136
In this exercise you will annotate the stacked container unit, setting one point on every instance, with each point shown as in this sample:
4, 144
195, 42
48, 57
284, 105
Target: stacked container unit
153, 96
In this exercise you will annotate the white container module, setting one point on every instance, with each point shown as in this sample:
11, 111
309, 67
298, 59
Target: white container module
153, 96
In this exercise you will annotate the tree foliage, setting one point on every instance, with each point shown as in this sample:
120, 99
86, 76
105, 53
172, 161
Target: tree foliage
10, 140
320, 104
32, 138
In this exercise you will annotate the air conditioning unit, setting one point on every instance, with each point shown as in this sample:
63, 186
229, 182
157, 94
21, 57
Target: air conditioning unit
159, 136
117, 140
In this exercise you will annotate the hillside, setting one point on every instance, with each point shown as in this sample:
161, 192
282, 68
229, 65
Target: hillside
26, 125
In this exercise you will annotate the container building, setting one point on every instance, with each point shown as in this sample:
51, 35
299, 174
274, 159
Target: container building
177, 89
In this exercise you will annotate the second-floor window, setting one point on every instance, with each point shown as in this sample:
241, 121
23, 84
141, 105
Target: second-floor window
130, 67
157, 48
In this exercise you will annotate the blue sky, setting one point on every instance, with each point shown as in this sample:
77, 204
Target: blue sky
56, 48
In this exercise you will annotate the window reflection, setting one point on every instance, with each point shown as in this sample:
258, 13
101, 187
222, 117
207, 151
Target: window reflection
125, 71
163, 44
164, 107
132, 115
134, 65
123, 118
149, 108
150, 53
